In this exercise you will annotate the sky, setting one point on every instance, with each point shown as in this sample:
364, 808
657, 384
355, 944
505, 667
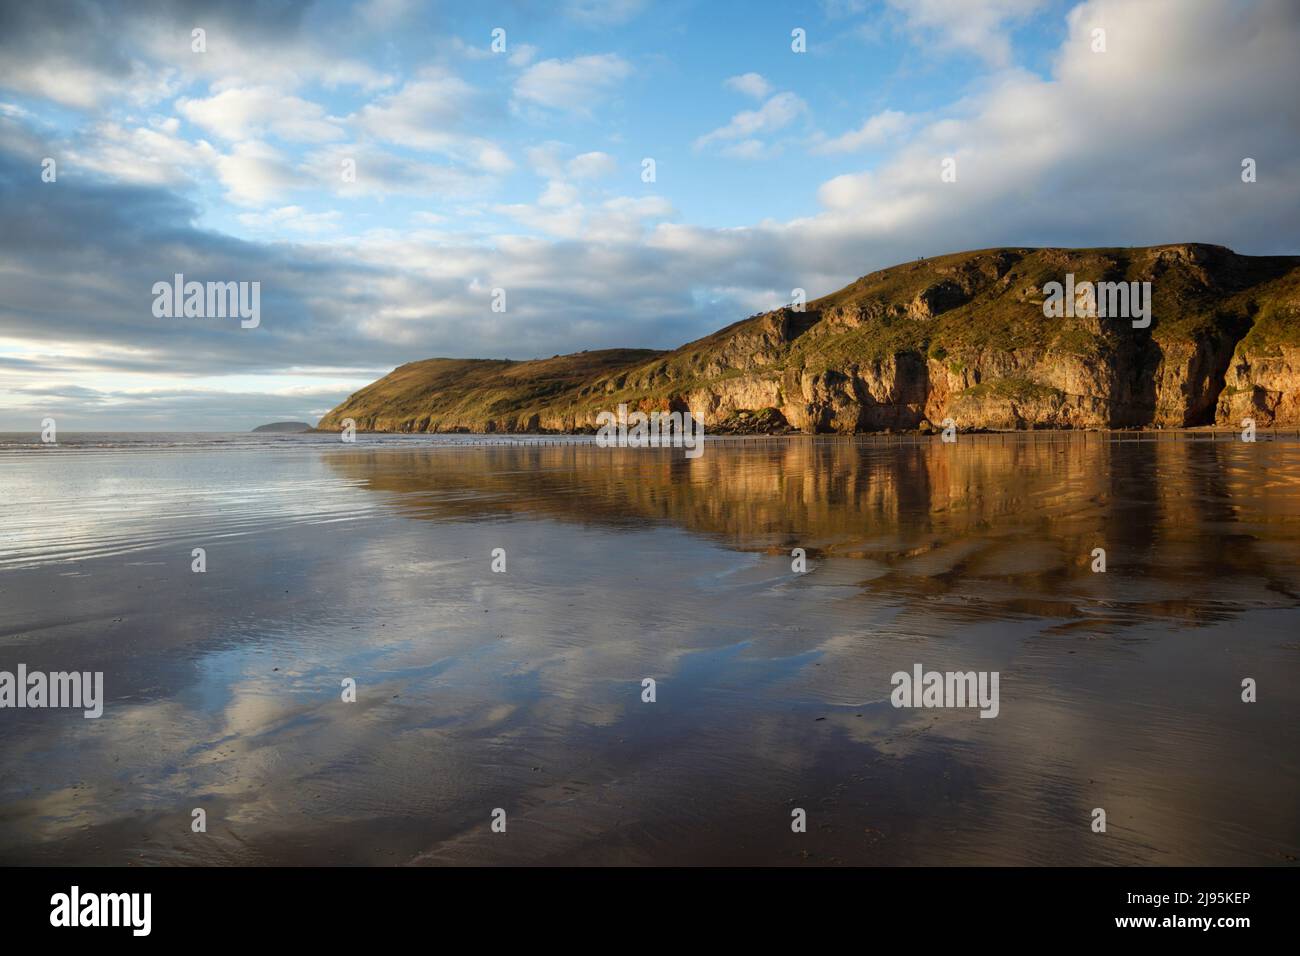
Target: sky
382, 167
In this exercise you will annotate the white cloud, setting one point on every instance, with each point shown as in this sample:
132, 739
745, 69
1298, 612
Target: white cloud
382, 173
576, 85
777, 113
547, 159
880, 130
559, 212
293, 218
973, 26
521, 54
240, 113
241, 56
255, 173
749, 84
136, 154
84, 84
425, 113
419, 113
595, 165
558, 194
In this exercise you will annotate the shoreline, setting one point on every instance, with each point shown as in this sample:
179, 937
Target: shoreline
1196, 430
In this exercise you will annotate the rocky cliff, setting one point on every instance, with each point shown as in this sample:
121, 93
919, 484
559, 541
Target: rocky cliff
961, 336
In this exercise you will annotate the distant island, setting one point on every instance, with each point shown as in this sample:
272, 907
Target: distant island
284, 427
982, 338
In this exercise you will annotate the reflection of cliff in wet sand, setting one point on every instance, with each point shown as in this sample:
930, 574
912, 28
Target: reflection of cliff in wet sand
961, 336
1006, 524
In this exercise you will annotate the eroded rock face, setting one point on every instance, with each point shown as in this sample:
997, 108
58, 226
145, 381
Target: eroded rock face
939, 298
1265, 387
961, 337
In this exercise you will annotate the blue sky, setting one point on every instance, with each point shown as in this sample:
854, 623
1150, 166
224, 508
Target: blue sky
521, 169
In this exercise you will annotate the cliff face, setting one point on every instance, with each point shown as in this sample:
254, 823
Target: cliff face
960, 336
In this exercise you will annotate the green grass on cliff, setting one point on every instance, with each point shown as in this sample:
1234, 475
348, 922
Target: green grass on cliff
468, 392
1275, 322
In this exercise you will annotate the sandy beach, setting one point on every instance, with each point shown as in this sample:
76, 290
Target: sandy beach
522, 690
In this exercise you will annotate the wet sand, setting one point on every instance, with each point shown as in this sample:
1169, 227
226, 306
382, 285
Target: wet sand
522, 690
